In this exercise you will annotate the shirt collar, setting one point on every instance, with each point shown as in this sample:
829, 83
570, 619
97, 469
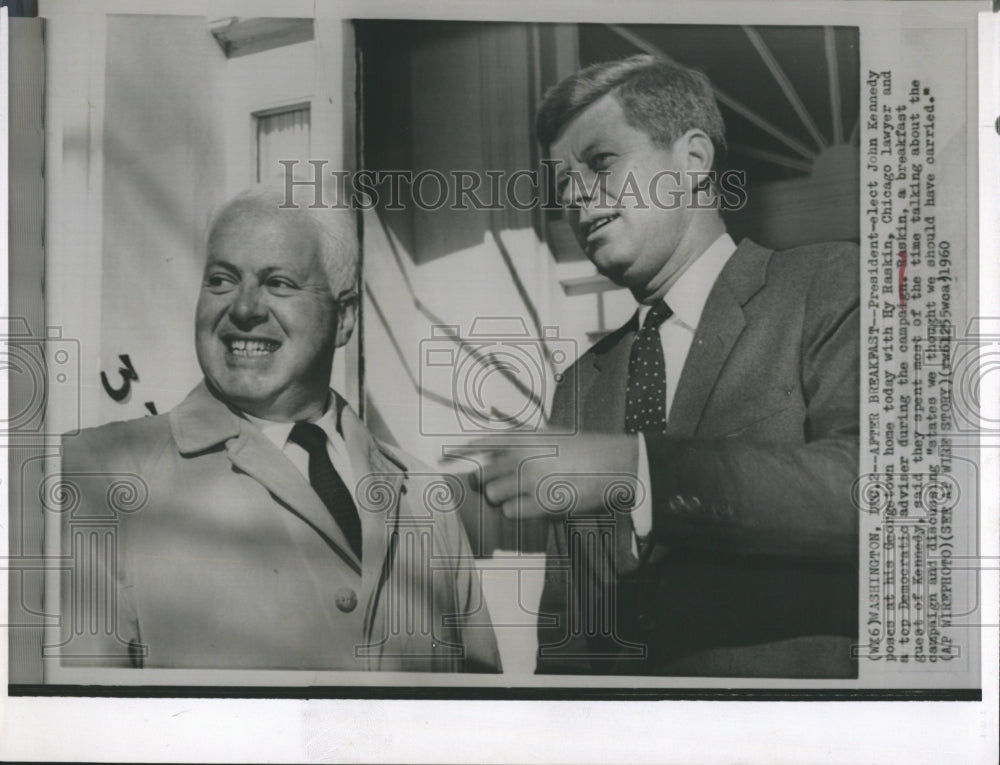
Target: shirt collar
278, 432
689, 293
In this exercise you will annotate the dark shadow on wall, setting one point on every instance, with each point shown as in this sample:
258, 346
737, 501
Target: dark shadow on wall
439, 99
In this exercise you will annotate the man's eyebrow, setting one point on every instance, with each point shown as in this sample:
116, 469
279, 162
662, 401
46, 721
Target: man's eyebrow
584, 153
271, 270
263, 273
221, 264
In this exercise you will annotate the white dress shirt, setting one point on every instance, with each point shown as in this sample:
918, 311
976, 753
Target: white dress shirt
336, 447
686, 299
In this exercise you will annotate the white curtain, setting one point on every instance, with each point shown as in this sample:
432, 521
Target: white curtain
282, 135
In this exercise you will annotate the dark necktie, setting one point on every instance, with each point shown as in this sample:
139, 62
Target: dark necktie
646, 390
327, 482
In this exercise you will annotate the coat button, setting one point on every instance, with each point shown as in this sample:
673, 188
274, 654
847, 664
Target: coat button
346, 599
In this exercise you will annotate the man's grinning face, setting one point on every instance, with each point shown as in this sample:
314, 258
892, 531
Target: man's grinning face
266, 320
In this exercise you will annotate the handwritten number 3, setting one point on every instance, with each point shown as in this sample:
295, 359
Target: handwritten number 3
128, 374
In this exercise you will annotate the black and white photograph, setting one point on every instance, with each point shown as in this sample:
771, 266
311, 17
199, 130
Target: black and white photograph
413, 353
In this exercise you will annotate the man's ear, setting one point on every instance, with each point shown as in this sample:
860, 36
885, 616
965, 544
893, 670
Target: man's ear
347, 314
697, 153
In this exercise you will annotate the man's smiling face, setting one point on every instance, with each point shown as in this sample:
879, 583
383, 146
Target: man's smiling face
633, 226
266, 319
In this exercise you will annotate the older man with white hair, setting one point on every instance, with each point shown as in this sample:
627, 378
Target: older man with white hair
276, 532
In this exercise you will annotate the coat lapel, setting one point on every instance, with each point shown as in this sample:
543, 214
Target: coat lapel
203, 422
256, 456
722, 322
380, 485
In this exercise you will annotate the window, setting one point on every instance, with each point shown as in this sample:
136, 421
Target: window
281, 134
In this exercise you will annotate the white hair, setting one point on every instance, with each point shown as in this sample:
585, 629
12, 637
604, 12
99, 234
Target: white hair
334, 227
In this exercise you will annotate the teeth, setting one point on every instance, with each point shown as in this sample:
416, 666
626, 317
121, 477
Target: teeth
601, 223
252, 347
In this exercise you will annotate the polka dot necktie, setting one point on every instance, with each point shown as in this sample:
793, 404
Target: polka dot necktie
327, 481
646, 391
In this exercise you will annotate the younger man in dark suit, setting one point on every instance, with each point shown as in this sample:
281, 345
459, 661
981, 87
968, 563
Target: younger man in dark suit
732, 395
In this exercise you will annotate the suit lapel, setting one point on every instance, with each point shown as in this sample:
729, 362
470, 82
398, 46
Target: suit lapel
604, 411
605, 386
604, 382
722, 322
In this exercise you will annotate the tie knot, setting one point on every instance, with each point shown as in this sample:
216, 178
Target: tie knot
309, 436
658, 314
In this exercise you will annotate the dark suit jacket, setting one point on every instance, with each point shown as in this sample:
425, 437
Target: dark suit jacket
753, 570
196, 543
